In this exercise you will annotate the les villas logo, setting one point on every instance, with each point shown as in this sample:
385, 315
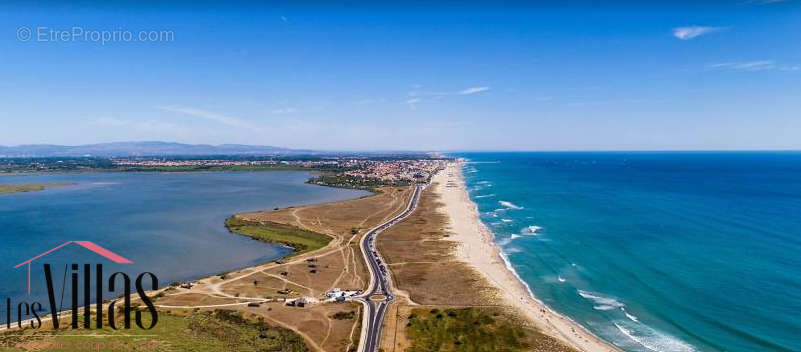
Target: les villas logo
31, 311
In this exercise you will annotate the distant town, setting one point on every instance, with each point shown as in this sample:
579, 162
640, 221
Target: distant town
363, 172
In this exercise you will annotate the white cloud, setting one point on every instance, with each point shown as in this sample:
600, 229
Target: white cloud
208, 115
416, 95
690, 32
473, 90
759, 65
466, 91
413, 102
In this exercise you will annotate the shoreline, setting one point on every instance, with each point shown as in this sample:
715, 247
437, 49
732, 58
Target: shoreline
477, 248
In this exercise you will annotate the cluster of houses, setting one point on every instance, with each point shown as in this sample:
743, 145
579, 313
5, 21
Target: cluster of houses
398, 170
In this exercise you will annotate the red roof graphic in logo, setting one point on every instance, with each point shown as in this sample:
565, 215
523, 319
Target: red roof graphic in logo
114, 257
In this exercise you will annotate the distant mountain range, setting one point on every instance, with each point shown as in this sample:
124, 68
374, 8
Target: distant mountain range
122, 149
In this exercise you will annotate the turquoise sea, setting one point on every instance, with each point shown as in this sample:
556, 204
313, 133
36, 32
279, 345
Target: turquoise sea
170, 224
660, 251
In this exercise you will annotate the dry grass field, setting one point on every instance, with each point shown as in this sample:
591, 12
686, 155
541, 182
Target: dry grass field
422, 262
431, 278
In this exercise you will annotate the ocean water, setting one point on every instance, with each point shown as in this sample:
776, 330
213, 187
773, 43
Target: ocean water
654, 251
170, 224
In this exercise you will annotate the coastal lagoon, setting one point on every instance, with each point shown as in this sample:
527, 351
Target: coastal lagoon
661, 252
170, 224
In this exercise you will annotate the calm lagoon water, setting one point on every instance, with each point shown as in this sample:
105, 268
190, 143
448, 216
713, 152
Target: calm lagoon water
654, 251
170, 224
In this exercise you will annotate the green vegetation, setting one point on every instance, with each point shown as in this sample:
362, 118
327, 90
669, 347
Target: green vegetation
199, 331
465, 329
6, 189
301, 240
347, 181
344, 315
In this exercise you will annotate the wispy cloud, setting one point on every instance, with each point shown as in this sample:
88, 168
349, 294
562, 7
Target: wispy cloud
208, 115
472, 90
413, 102
417, 95
690, 32
759, 65
466, 91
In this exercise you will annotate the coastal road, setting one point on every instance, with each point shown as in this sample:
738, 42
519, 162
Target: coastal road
378, 296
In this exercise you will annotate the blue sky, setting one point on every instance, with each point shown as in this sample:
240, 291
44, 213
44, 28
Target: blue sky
576, 76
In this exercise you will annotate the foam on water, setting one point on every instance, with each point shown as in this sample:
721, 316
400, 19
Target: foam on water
510, 205
507, 220
485, 195
628, 315
531, 229
503, 242
651, 339
634, 330
601, 302
604, 307
499, 210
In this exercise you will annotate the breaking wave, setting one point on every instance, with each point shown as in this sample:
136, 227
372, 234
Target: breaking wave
485, 195
630, 316
531, 229
509, 205
651, 339
601, 302
639, 333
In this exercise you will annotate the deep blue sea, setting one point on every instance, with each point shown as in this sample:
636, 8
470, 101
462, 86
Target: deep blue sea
665, 252
170, 224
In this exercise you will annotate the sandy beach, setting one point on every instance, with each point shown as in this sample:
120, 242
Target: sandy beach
477, 248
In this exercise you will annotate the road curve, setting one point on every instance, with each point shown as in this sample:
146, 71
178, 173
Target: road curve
380, 284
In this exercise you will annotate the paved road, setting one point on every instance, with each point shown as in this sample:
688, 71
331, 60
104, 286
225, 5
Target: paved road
379, 281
